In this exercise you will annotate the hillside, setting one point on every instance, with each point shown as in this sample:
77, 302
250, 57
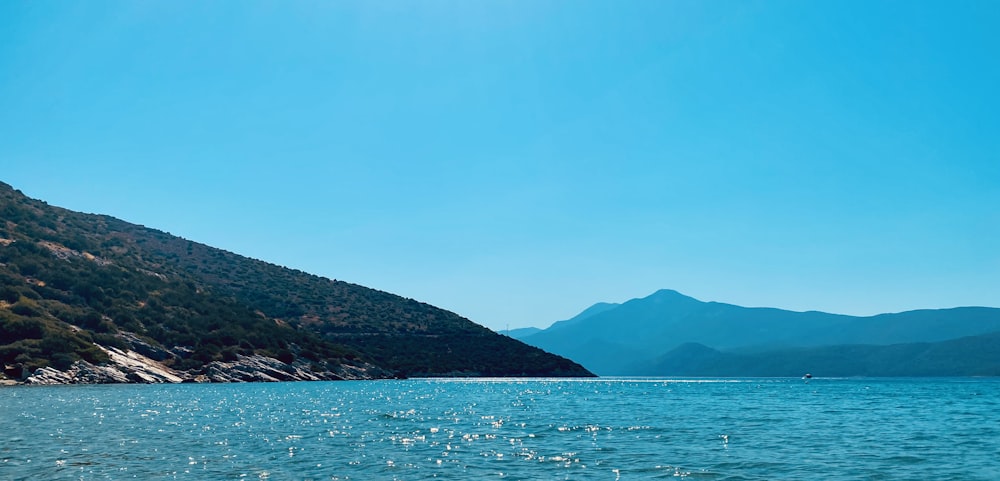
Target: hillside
91, 295
966, 356
617, 340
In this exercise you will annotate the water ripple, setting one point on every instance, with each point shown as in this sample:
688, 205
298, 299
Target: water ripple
603, 429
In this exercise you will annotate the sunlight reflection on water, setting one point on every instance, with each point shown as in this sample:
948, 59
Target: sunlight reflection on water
506, 429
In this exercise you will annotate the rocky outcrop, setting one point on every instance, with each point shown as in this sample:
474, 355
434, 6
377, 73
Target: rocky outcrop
258, 368
132, 367
142, 369
267, 369
125, 367
81, 372
147, 349
65, 253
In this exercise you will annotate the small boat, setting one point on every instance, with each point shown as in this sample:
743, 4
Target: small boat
807, 376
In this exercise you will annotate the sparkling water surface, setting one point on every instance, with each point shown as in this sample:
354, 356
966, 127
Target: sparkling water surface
538, 429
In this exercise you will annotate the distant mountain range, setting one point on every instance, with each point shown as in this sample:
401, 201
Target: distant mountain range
90, 298
668, 333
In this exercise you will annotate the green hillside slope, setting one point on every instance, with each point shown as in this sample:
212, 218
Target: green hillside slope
76, 287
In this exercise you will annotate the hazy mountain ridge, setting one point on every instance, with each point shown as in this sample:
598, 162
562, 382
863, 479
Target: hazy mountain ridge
587, 313
628, 339
79, 288
966, 356
520, 332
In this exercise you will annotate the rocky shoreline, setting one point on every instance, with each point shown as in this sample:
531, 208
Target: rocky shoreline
245, 369
140, 365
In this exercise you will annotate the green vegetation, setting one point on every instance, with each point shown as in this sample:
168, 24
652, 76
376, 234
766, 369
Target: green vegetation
70, 280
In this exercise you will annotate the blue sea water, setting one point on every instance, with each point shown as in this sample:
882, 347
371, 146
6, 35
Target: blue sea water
539, 429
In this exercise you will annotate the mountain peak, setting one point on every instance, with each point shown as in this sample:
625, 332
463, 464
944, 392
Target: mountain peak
667, 295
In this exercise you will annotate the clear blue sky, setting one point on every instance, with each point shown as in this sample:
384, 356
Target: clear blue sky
518, 161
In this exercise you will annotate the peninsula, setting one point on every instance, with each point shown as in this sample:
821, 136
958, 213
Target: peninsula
89, 298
